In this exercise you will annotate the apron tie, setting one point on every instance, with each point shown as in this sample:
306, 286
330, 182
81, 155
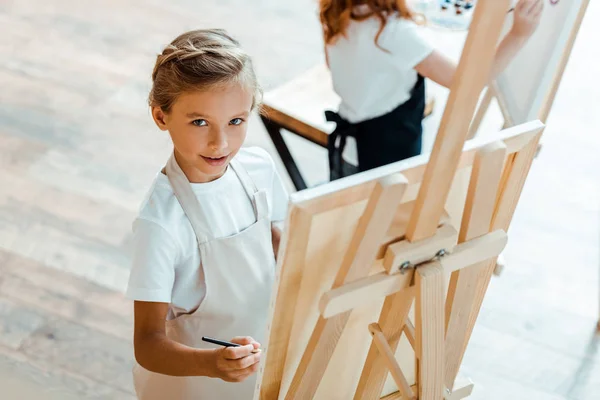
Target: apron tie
336, 142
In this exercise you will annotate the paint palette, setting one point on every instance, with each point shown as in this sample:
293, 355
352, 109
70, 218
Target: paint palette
459, 7
449, 14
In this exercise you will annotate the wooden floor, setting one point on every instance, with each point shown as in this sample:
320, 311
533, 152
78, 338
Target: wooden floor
78, 151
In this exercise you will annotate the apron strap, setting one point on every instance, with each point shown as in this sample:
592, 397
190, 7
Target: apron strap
187, 199
258, 198
336, 142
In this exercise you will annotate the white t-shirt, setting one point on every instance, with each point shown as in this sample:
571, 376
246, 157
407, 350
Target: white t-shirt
370, 81
166, 258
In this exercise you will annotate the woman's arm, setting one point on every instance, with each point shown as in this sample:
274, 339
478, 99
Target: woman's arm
441, 69
527, 18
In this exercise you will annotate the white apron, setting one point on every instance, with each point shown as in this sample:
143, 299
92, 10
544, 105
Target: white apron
239, 272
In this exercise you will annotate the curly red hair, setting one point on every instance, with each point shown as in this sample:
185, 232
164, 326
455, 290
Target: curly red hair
336, 15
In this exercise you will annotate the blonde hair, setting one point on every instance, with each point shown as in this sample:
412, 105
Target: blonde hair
199, 60
336, 15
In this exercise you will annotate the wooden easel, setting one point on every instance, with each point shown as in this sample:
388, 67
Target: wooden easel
358, 252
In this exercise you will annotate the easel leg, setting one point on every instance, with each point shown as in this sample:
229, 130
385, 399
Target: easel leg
480, 114
409, 331
429, 329
513, 180
464, 284
392, 319
274, 131
389, 357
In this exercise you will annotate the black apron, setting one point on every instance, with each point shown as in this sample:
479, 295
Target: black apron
382, 140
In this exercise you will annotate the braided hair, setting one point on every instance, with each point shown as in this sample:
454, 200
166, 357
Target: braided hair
199, 60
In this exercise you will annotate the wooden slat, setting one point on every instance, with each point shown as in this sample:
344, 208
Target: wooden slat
295, 125
460, 393
352, 295
514, 178
43, 379
394, 315
398, 395
409, 331
487, 23
66, 286
429, 330
483, 188
283, 301
387, 354
513, 186
57, 293
373, 225
477, 218
512, 182
484, 104
417, 252
399, 224
83, 351
74, 309
471, 252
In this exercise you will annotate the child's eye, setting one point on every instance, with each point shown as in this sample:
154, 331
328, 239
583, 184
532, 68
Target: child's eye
200, 122
236, 121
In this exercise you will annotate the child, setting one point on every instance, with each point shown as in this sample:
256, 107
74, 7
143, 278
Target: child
378, 61
204, 244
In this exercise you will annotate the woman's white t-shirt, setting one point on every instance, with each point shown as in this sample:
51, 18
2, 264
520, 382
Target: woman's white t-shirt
166, 258
370, 81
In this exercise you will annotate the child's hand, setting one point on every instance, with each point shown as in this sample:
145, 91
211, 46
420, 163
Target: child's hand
235, 364
527, 17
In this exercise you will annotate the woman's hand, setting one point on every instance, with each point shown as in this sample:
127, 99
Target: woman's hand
527, 17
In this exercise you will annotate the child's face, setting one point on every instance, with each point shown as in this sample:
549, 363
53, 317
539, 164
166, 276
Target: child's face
208, 128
